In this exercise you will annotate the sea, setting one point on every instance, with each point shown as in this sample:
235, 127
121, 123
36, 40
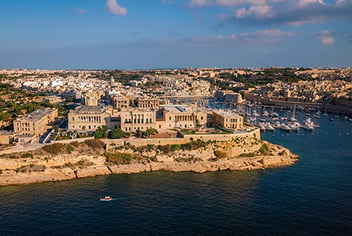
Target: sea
311, 197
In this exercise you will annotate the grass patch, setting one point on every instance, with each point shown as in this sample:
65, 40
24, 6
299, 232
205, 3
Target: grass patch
55, 148
119, 158
94, 143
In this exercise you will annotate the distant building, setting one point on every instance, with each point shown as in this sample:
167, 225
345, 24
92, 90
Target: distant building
227, 120
35, 123
120, 102
92, 98
235, 98
148, 103
220, 94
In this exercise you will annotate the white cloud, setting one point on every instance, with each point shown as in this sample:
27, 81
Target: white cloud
115, 8
304, 3
268, 33
256, 11
202, 3
326, 37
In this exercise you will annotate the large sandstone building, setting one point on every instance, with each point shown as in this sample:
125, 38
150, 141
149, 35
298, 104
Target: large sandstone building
36, 122
89, 118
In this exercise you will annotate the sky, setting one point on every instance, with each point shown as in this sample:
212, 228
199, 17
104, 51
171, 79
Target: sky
151, 34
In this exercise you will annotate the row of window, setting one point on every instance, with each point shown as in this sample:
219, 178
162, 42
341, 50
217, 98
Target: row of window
139, 121
232, 120
128, 129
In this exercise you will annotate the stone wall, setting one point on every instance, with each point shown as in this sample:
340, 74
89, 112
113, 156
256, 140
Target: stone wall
187, 138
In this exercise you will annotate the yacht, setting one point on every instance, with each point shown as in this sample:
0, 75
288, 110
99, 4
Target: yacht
310, 123
293, 127
269, 127
308, 126
285, 127
262, 126
106, 199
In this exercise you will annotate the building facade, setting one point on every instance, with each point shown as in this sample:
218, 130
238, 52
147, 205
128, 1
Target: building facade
152, 103
120, 102
88, 118
228, 120
35, 123
137, 119
182, 117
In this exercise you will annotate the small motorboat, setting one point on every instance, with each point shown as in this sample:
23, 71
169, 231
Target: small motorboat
106, 199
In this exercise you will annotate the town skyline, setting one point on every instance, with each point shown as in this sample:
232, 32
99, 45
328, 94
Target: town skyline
110, 34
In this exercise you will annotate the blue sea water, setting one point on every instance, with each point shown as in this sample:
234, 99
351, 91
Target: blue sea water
312, 197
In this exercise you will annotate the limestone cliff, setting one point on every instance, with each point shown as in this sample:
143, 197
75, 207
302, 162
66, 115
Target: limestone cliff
76, 160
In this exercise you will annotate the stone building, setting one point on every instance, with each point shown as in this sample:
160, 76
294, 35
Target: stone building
181, 116
88, 118
152, 103
227, 120
235, 98
6, 137
137, 119
120, 102
36, 122
92, 98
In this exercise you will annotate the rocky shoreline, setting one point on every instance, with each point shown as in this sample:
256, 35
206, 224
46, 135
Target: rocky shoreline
79, 160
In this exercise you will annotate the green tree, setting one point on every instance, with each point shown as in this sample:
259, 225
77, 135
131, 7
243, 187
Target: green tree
98, 134
116, 134
105, 129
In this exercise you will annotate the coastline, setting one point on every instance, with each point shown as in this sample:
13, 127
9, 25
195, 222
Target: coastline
60, 167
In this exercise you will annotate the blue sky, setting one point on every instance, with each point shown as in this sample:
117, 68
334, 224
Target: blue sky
143, 34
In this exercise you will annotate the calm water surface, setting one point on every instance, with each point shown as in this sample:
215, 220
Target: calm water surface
313, 197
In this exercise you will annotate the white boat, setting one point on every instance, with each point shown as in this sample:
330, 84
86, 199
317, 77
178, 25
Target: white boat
105, 199
309, 122
277, 124
297, 124
293, 127
262, 126
255, 114
269, 127
285, 127
317, 115
265, 114
308, 127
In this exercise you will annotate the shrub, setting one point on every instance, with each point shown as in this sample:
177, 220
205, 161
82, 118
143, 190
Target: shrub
93, 143
74, 144
119, 158
220, 154
69, 148
27, 155
175, 147
165, 148
251, 154
55, 148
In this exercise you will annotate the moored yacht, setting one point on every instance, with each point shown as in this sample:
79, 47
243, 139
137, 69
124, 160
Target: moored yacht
285, 127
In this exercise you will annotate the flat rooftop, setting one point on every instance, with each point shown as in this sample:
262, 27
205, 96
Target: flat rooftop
37, 114
89, 110
227, 114
177, 108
